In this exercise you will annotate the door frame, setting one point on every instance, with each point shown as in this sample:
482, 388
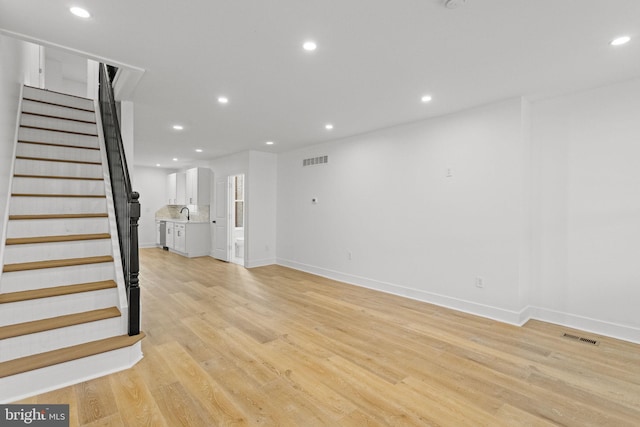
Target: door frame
231, 229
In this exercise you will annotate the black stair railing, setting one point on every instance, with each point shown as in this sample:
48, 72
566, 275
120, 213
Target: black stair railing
126, 202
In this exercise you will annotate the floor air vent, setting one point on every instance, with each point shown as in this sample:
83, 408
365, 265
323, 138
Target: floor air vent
581, 339
315, 161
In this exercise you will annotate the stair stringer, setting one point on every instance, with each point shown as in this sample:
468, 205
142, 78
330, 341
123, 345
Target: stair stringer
113, 226
5, 218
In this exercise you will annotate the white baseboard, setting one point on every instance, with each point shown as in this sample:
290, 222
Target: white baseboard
260, 262
495, 313
595, 326
517, 318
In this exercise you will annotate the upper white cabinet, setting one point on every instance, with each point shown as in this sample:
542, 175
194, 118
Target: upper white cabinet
190, 188
176, 185
198, 186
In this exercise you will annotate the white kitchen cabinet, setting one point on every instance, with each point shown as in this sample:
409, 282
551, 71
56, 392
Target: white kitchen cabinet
190, 239
169, 230
171, 189
176, 187
179, 238
198, 186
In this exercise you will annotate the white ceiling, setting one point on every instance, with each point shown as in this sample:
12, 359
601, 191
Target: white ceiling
374, 61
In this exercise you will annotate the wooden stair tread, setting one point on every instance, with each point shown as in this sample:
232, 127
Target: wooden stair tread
93, 196
58, 130
58, 216
49, 116
50, 358
46, 159
56, 291
68, 262
55, 144
81, 178
54, 239
51, 323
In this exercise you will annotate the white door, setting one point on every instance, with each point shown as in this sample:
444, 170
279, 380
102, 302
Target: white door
34, 70
221, 233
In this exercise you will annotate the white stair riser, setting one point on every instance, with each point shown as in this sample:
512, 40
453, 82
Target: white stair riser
53, 152
52, 205
56, 227
30, 120
57, 111
43, 167
14, 254
57, 186
40, 135
57, 98
27, 345
17, 281
21, 386
44, 308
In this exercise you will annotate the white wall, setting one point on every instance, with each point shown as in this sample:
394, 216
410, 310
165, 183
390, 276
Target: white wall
389, 218
13, 57
587, 246
127, 132
150, 183
65, 72
542, 204
261, 209
259, 170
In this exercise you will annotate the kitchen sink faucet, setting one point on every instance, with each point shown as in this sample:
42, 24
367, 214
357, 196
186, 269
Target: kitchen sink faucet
187, 211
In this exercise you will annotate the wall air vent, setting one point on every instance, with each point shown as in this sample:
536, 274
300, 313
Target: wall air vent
316, 161
581, 339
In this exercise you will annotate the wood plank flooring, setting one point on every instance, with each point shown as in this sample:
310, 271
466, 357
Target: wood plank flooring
273, 346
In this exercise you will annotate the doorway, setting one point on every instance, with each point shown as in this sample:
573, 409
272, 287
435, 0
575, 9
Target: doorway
237, 215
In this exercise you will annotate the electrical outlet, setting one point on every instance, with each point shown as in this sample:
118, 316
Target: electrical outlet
349, 255
479, 282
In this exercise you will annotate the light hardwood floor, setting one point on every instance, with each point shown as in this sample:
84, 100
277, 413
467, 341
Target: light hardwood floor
273, 346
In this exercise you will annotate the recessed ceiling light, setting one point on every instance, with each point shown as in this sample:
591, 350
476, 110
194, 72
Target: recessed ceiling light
158, 164
328, 126
223, 99
198, 150
309, 46
269, 142
178, 127
426, 98
175, 159
80, 12
620, 41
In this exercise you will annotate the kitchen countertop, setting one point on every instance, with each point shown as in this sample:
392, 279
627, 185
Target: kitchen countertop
182, 221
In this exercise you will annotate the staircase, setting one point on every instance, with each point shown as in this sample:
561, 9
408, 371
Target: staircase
63, 305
